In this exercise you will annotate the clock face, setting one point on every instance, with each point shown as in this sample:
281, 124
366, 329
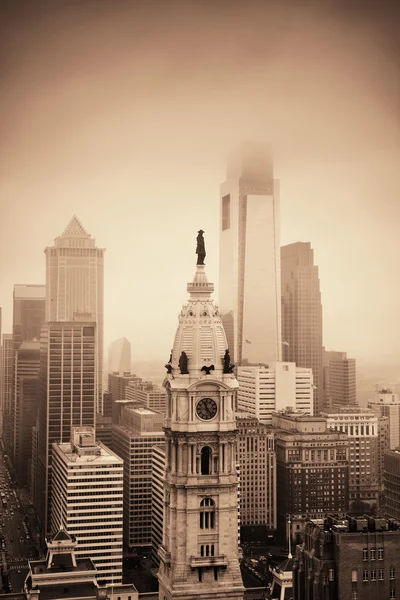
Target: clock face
206, 408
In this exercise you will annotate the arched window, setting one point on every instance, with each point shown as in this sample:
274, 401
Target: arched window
207, 514
206, 460
212, 549
207, 550
202, 550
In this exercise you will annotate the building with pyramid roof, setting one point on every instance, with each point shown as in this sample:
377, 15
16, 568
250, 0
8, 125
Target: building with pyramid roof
75, 285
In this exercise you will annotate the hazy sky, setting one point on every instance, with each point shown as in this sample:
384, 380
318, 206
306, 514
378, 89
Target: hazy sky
124, 112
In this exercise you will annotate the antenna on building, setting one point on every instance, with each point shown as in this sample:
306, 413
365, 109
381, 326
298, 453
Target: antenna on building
290, 538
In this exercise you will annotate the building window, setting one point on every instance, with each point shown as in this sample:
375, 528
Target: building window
392, 593
331, 575
365, 575
354, 595
226, 212
373, 553
373, 575
207, 513
380, 553
391, 572
216, 573
206, 460
354, 576
365, 554
380, 574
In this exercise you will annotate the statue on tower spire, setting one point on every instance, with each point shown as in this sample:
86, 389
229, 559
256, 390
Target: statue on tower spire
201, 249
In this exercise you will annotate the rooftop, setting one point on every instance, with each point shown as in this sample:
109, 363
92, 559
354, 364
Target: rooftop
103, 455
62, 563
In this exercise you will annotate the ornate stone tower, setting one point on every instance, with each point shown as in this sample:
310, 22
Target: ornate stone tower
199, 555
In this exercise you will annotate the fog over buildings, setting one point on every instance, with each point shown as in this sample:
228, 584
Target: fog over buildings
124, 112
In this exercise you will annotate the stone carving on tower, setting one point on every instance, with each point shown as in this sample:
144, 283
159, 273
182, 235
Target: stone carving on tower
199, 557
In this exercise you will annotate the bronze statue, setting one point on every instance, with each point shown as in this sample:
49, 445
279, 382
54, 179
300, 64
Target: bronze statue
228, 367
183, 363
168, 366
201, 249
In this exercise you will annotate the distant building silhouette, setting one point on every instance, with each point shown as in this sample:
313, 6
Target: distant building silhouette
249, 279
302, 313
119, 356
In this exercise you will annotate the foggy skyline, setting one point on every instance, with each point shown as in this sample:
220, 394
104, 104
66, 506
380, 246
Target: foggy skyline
126, 115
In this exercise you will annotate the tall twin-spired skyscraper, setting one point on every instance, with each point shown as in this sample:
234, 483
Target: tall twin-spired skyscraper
75, 285
250, 289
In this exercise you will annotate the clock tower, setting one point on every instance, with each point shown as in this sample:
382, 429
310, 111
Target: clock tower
199, 557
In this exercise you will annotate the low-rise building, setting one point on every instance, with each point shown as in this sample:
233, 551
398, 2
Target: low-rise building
351, 558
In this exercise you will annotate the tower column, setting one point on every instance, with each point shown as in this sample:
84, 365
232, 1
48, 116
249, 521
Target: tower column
173, 457
180, 456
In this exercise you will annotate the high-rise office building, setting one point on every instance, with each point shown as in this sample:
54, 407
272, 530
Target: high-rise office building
257, 463
312, 468
302, 313
278, 386
339, 380
157, 500
147, 393
88, 500
249, 271
361, 425
67, 396
199, 556
119, 356
74, 285
388, 405
7, 366
26, 400
391, 494
133, 441
117, 384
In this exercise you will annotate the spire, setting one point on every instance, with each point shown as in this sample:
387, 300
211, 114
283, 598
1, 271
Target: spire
75, 229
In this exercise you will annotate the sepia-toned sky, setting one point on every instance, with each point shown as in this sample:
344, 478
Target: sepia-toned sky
124, 111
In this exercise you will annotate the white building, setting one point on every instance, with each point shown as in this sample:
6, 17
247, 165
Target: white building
119, 356
7, 362
147, 393
388, 405
75, 284
250, 284
87, 500
264, 389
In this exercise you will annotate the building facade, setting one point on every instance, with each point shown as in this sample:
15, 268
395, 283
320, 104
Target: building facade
157, 500
67, 397
352, 558
26, 402
391, 494
361, 425
118, 383
250, 258
312, 468
133, 441
7, 366
88, 500
199, 556
302, 313
75, 285
340, 388
264, 389
257, 463
388, 405
147, 393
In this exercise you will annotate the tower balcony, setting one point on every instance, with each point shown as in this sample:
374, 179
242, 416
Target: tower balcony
208, 561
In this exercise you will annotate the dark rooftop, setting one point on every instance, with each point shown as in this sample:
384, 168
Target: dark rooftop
68, 590
62, 563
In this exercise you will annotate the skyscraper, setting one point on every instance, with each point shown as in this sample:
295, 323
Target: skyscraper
7, 388
302, 313
387, 404
119, 356
250, 258
74, 285
67, 396
199, 556
339, 380
26, 366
